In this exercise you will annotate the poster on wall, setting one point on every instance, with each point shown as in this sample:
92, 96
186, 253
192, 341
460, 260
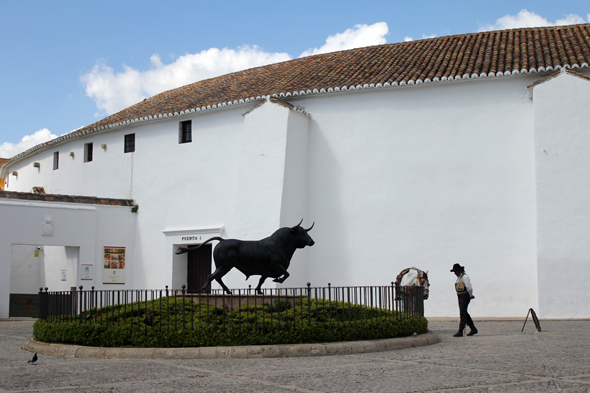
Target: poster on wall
87, 272
113, 271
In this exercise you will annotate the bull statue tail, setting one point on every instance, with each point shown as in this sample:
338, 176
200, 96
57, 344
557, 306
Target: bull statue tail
182, 250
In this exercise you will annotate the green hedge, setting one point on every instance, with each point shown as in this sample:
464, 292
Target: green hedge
171, 322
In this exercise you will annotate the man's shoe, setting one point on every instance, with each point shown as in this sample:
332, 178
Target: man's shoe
472, 332
458, 334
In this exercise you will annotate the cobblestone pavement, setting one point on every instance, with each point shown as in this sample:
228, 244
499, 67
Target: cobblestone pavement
499, 359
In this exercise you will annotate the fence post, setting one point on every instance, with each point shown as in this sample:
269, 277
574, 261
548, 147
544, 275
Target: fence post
330, 301
78, 307
183, 319
167, 309
392, 304
42, 305
308, 303
92, 303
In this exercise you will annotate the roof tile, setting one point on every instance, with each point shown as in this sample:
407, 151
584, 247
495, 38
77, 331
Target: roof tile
65, 198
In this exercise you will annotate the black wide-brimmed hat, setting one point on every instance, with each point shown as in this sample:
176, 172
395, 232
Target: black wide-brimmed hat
457, 268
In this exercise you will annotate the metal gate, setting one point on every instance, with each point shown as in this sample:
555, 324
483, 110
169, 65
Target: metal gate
24, 305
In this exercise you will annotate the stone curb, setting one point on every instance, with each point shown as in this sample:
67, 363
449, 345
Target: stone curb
238, 352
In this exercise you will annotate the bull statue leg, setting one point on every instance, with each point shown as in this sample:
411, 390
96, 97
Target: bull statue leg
281, 273
283, 278
217, 274
260, 282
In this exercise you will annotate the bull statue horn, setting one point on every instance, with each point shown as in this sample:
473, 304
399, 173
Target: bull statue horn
298, 224
307, 230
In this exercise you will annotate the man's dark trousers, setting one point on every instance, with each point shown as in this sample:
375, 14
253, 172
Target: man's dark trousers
464, 300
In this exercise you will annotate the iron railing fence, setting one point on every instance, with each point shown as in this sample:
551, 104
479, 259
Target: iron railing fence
179, 309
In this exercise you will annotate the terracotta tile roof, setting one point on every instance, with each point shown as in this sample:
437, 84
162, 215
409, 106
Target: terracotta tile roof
474, 55
66, 198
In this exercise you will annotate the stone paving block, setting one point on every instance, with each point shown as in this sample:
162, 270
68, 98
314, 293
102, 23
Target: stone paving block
112, 353
339, 349
140, 353
91, 352
208, 353
254, 351
317, 350
271, 351
185, 353
239, 352
357, 347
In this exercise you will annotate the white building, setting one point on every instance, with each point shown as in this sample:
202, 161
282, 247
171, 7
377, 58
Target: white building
470, 149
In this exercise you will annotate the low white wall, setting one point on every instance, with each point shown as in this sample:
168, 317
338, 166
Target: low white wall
87, 228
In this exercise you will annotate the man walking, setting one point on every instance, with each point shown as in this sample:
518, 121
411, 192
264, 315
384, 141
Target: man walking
464, 294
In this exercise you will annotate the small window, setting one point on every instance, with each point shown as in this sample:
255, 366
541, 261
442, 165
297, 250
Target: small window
87, 152
129, 143
55, 160
185, 132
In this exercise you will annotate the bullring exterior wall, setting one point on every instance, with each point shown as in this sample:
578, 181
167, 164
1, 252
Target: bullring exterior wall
423, 175
562, 152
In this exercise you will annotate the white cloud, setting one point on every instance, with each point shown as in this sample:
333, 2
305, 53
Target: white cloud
113, 91
570, 19
526, 18
424, 36
357, 37
8, 149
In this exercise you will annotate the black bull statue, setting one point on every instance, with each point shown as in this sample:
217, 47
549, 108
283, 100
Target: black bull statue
269, 257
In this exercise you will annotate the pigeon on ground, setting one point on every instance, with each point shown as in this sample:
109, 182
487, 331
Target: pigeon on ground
33, 359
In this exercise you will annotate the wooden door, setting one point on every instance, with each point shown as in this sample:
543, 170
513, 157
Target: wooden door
198, 268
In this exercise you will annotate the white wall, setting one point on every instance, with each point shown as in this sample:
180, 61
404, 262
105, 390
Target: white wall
272, 183
107, 175
258, 198
87, 228
183, 186
60, 267
427, 176
26, 269
562, 148
294, 204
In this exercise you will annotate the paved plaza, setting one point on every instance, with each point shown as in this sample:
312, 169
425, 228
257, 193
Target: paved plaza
499, 359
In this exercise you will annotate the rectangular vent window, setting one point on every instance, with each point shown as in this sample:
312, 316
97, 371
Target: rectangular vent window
87, 152
185, 132
129, 143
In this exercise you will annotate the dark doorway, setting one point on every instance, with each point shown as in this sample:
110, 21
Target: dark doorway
199, 268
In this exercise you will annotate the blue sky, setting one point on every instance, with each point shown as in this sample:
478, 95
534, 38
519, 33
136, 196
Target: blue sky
66, 64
